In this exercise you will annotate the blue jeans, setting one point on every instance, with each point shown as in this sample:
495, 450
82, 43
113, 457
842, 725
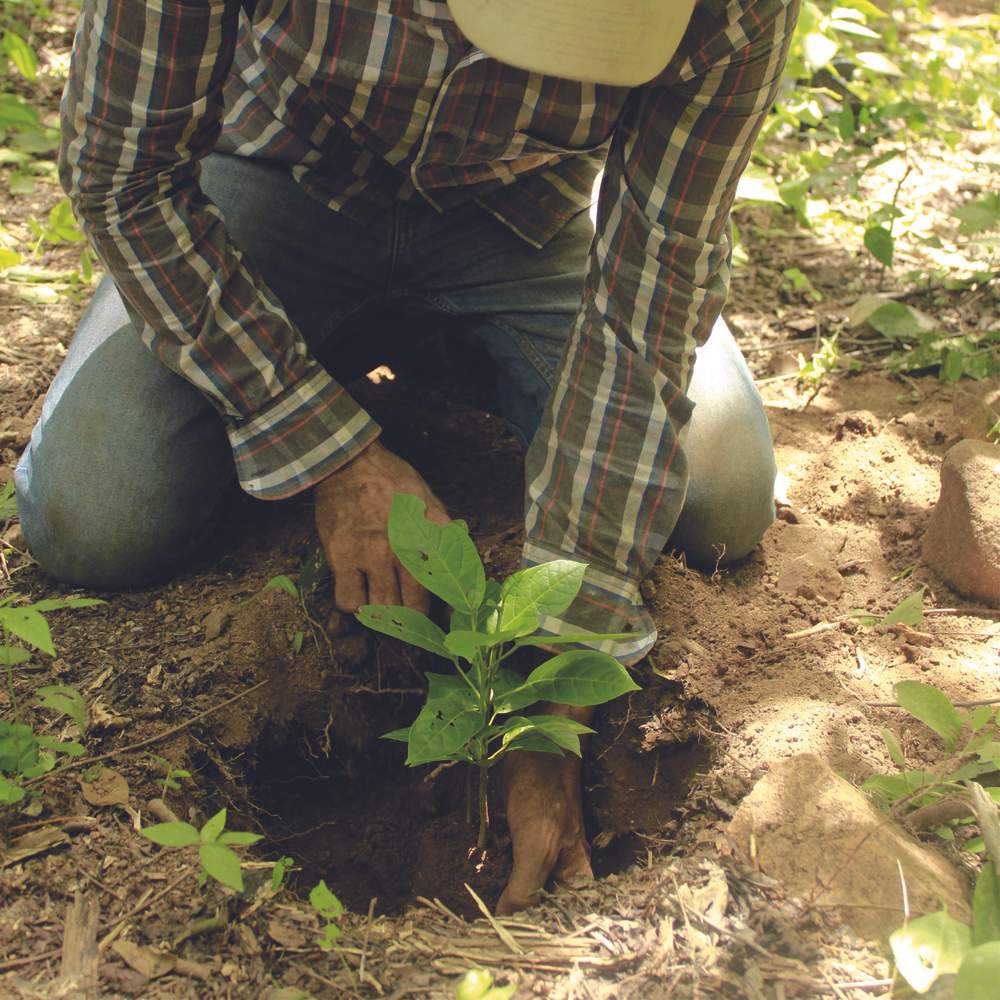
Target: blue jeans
129, 464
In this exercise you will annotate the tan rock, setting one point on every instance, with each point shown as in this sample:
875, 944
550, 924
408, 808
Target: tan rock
963, 538
811, 575
827, 842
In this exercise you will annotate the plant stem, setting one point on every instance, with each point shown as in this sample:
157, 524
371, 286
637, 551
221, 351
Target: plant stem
484, 814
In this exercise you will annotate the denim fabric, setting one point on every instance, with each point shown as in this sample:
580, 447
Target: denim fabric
129, 464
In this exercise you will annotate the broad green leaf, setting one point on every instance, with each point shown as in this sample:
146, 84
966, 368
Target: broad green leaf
213, 827
65, 699
909, 611
465, 644
895, 320
222, 864
406, 624
9, 258
533, 740
546, 589
565, 733
29, 625
43, 765
11, 656
441, 557
328, 939
880, 243
979, 717
175, 834
58, 603
283, 582
448, 720
932, 707
889, 787
21, 54
18, 747
878, 63
399, 735
818, 50
986, 906
477, 984
10, 792
580, 677
324, 901
15, 112
69, 747
234, 838
979, 215
572, 637
979, 974
929, 947
895, 751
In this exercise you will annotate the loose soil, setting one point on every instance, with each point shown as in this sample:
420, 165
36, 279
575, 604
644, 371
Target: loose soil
754, 663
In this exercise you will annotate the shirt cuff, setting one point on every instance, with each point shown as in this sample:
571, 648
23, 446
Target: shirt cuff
605, 603
300, 437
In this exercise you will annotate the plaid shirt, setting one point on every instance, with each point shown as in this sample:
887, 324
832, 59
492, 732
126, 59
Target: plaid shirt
370, 101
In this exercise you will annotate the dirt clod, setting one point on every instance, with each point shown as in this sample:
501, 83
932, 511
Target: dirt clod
824, 840
963, 538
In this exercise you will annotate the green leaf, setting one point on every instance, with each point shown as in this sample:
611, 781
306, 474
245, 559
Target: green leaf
986, 906
880, 243
235, 838
979, 215
283, 582
546, 589
580, 677
442, 558
21, 54
895, 320
932, 707
979, 717
213, 827
10, 792
979, 973
533, 740
29, 625
448, 720
895, 751
461, 642
18, 747
325, 902
69, 747
406, 624
909, 611
929, 947
563, 732
889, 787
175, 834
9, 258
222, 864
11, 656
58, 603
328, 939
399, 735
67, 700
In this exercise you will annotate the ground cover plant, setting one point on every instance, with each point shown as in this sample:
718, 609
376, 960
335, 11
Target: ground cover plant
474, 715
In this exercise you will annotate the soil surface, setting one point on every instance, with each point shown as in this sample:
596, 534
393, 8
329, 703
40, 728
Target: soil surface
276, 707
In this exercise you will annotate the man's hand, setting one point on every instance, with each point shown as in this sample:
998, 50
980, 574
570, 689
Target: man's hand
545, 817
352, 517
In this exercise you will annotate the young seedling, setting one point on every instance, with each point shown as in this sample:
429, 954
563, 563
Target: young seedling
326, 904
172, 776
214, 844
475, 714
24, 753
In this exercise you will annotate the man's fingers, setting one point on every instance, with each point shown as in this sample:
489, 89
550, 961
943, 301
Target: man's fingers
349, 590
383, 584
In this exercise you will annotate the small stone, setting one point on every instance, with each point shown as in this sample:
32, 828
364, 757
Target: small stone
826, 841
963, 538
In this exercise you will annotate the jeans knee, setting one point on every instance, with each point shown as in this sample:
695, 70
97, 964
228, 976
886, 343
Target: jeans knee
97, 546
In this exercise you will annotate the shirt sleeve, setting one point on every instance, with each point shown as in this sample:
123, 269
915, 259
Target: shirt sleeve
606, 475
142, 106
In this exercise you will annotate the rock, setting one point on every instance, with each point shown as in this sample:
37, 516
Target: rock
811, 575
826, 841
215, 622
963, 538
801, 538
